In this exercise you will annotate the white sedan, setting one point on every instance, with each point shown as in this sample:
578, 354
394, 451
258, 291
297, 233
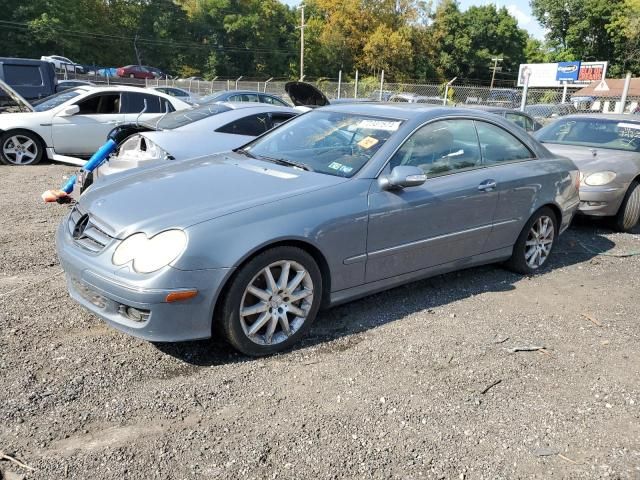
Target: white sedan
71, 125
63, 63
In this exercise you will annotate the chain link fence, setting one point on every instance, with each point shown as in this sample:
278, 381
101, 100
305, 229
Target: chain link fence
538, 101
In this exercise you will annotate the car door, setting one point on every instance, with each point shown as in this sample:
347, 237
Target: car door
518, 179
447, 218
135, 103
83, 133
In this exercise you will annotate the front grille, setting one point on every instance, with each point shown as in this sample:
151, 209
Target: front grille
93, 238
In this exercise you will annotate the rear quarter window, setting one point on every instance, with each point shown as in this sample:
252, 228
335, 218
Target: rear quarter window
23, 75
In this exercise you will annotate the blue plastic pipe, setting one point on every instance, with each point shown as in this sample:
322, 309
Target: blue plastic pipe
94, 162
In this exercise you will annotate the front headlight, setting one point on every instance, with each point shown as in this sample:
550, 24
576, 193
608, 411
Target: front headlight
599, 178
150, 254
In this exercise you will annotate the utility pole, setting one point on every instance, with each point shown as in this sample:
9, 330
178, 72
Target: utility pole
495, 61
302, 25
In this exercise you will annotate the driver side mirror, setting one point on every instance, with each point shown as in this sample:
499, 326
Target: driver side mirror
70, 111
402, 176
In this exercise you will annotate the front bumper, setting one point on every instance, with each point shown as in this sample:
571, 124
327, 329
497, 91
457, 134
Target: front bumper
600, 201
136, 308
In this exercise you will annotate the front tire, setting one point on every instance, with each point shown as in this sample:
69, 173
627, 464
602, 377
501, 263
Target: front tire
20, 147
535, 243
271, 301
629, 213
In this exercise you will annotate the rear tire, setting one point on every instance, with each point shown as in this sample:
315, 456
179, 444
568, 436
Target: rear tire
629, 213
535, 243
271, 301
20, 147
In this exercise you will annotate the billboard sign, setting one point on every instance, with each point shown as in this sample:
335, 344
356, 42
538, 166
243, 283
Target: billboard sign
545, 74
568, 71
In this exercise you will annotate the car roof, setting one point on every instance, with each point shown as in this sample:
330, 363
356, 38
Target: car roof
605, 116
257, 106
402, 111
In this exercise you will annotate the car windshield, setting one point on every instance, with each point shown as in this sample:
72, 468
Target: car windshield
590, 132
333, 143
181, 118
55, 100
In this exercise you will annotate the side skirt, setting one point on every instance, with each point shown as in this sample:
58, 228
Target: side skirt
349, 294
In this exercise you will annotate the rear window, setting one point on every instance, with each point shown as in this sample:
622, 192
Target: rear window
185, 117
23, 75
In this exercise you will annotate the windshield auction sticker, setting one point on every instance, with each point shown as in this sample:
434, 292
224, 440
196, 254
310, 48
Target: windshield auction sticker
629, 130
389, 126
367, 142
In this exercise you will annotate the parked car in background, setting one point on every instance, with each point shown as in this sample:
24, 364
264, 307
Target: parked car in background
157, 73
63, 63
414, 98
547, 112
180, 93
504, 97
74, 123
193, 133
108, 72
386, 95
522, 119
67, 84
306, 95
606, 148
243, 96
336, 204
32, 79
135, 71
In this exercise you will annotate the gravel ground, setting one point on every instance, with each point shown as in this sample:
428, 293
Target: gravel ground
416, 382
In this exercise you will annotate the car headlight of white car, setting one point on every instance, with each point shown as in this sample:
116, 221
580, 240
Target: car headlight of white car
138, 147
150, 254
598, 179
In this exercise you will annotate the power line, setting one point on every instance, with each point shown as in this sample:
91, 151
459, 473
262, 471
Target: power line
159, 42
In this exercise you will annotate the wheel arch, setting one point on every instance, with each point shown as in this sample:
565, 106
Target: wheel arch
307, 246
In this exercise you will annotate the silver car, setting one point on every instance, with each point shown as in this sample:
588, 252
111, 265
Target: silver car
335, 204
606, 148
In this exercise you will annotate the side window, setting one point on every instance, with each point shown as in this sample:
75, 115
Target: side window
519, 120
105, 104
135, 103
498, 145
253, 125
166, 106
272, 101
441, 148
244, 97
278, 118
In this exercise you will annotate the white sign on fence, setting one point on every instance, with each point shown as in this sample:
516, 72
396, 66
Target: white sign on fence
544, 74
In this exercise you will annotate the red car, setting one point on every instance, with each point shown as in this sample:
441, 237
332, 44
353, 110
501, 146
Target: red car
135, 71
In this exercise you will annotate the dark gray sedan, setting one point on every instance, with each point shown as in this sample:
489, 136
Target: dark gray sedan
606, 148
335, 204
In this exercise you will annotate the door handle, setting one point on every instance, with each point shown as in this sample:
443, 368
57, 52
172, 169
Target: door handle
487, 186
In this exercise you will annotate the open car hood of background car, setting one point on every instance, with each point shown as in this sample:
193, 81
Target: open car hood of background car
15, 96
305, 95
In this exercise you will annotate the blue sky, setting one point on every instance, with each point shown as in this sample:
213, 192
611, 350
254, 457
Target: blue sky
520, 9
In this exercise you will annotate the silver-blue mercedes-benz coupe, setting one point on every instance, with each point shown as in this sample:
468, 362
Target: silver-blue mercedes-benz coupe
335, 204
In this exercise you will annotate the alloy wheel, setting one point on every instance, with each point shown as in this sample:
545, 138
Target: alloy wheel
273, 310
20, 150
539, 242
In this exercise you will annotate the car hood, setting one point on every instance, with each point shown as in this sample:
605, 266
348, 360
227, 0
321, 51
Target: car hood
181, 194
604, 159
183, 144
15, 96
304, 94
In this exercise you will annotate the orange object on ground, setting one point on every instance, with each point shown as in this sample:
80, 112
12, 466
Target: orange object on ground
54, 195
